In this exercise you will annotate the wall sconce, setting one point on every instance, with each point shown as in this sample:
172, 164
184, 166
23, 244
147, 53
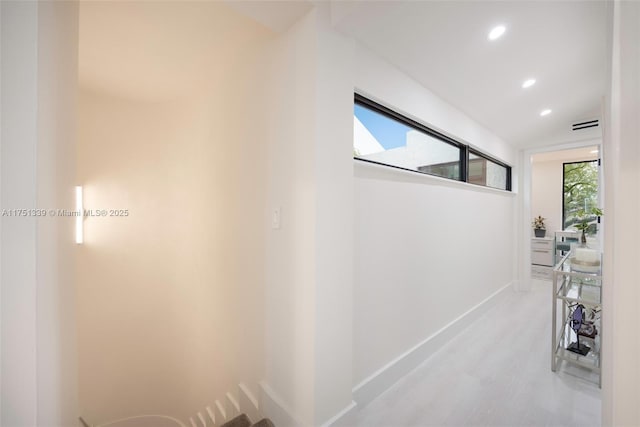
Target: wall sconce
80, 215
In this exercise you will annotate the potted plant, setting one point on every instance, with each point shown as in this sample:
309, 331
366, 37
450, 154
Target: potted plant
587, 222
538, 226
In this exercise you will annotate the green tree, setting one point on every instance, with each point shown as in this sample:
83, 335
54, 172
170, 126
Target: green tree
580, 191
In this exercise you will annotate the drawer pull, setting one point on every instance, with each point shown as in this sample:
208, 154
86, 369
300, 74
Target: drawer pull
544, 252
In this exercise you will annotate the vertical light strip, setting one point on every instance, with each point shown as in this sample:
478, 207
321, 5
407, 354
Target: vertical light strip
80, 216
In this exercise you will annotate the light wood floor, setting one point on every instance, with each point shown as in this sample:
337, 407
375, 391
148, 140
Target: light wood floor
495, 373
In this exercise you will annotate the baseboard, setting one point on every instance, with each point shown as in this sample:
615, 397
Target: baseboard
389, 374
273, 407
343, 418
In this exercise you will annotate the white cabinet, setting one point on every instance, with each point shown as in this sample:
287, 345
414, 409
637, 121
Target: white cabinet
542, 251
542, 257
541, 272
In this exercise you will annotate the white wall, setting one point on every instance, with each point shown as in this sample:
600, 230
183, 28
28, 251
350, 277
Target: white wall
56, 165
425, 254
39, 76
426, 249
291, 264
546, 186
335, 221
310, 178
310, 258
171, 297
546, 193
1, 280
19, 142
621, 294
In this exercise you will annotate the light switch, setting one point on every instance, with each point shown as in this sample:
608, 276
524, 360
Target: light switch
275, 218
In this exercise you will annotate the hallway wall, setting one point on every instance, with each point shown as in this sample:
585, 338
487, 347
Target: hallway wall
37, 313
621, 294
427, 249
310, 255
170, 295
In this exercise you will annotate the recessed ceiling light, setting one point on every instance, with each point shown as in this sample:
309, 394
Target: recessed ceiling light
545, 112
528, 83
497, 32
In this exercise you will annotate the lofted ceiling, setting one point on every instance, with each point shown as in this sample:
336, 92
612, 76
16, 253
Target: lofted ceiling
444, 46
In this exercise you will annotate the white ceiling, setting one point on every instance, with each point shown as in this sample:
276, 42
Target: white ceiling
573, 155
441, 44
444, 46
278, 15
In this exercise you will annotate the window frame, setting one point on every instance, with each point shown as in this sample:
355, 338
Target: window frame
564, 164
464, 149
393, 115
492, 160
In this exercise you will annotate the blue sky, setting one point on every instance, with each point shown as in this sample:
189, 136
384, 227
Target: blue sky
389, 133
